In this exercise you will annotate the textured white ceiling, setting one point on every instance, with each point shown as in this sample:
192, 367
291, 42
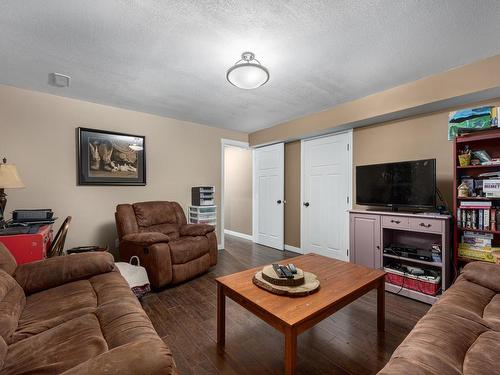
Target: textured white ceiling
170, 57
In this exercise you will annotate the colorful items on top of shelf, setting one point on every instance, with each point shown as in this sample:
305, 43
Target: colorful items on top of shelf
472, 119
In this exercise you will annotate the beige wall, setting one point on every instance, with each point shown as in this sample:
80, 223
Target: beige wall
238, 190
479, 79
38, 135
292, 194
420, 137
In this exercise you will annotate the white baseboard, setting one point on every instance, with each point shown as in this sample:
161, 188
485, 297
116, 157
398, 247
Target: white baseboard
220, 247
238, 234
294, 249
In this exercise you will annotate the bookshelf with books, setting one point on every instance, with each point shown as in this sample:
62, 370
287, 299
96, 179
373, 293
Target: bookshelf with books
476, 201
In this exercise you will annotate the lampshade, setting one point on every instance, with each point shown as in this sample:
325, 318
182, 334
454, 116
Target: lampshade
9, 178
247, 73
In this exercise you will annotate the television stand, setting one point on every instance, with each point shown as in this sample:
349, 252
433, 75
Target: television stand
372, 231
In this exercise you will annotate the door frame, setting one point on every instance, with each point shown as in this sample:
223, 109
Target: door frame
255, 216
349, 133
227, 143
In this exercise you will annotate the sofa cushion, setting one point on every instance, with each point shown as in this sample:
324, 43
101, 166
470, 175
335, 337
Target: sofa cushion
438, 343
12, 301
138, 357
170, 230
186, 249
55, 306
50, 273
482, 357
111, 288
153, 213
484, 274
491, 313
57, 349
466, 300
125, 322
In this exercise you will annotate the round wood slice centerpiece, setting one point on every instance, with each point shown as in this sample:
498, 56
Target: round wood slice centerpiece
270, 275
309, 283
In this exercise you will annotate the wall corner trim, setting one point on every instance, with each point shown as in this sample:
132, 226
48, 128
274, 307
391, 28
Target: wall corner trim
245, 236
294, 249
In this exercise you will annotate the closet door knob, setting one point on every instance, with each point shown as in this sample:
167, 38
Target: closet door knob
278, 201
306, 204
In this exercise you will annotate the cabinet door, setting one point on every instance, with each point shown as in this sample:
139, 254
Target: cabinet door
365, 240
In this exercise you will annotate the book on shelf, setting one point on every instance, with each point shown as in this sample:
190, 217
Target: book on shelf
477, 246
477, 239
469, 204
477, 217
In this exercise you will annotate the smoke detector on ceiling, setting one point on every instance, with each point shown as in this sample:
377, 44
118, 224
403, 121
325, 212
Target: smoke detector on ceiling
59, 80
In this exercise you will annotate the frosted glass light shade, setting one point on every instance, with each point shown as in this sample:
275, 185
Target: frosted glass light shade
247, 76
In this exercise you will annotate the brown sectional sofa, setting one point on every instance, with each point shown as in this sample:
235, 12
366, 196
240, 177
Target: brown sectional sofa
460, 334
74, 315
171, 250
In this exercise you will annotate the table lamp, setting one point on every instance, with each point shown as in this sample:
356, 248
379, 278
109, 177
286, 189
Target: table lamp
9, 179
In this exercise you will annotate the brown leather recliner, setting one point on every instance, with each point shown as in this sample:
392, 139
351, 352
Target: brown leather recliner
170, 250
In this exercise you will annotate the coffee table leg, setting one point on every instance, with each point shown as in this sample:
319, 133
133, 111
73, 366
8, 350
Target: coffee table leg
221, 316
290, 351
381, 305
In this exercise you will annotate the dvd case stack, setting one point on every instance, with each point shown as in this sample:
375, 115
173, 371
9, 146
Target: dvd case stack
477, 246
478, 215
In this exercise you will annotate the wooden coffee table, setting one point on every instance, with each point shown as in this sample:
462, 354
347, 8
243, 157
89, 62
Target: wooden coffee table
341, 284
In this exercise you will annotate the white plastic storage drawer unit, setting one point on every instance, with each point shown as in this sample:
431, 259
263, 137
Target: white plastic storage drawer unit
203, 215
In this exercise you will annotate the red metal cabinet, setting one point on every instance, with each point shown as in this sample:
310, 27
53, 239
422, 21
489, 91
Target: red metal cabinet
29, 247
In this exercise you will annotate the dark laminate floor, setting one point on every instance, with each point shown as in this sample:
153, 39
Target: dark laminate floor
345, 343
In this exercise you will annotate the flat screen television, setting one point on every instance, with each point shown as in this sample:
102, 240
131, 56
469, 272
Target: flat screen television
410, 184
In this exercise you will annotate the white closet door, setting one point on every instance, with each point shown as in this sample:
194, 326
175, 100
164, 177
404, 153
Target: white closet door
268, 183
326, 184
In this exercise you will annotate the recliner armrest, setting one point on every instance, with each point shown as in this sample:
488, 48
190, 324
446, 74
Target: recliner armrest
146, 238
49, 273
196, 229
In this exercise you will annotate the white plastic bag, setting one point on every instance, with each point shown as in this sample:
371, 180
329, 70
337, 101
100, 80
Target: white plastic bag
135, 275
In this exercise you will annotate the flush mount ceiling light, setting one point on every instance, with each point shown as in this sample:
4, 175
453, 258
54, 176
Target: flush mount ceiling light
247, 73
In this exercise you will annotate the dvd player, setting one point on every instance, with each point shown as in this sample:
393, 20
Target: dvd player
409, 252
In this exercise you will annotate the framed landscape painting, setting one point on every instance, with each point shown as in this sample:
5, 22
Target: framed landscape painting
110, 158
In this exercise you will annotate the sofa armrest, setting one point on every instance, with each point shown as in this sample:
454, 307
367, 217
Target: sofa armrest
146, 238
484, 274
196, 229
140, 357
49, 273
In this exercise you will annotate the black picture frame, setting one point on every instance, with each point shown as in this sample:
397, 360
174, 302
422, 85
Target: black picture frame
110, 158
